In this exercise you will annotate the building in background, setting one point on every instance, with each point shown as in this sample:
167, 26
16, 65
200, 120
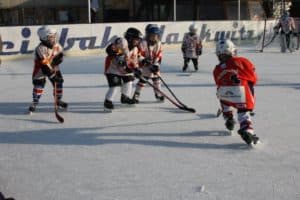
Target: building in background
37, 12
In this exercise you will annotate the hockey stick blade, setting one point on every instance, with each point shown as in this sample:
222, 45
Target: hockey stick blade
192, 110
59, 117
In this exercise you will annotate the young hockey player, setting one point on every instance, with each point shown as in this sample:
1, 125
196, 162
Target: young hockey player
235, 78
287, 28
120, 65
151, 55
191, 47
48, 56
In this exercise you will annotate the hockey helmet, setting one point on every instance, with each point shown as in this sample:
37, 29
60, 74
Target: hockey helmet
149, 26
132, 33
193, 28
44, 33
225, 47
285, 14
153, 30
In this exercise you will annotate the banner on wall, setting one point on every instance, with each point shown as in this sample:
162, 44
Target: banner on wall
84, 37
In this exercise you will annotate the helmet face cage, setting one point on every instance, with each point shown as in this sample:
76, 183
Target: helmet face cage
153, 34
225, 47
133, 37
133, 33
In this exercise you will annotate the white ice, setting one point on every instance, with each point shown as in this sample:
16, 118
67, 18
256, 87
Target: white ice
151, 151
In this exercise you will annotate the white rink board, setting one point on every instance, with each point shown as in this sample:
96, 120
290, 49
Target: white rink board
85, 38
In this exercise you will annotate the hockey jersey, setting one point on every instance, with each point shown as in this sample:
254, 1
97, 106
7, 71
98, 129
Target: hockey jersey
120, 59
235, 80
287, 24
153, 53
43, 59
191, 44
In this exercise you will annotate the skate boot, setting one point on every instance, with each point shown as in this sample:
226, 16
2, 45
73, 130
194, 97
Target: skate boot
32, 107
159, 98
61, 104
230, 124
108, 104
196, 68
248, 137
184, 68
126, 100
135, 97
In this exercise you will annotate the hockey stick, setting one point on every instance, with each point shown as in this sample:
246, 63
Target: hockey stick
166, 85
182, 107
264, 36
57, 115
272, 39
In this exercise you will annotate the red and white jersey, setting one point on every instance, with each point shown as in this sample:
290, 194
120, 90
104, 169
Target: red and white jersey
120, 46
190, 44
43, 57
287, 24
238, 95
152, 53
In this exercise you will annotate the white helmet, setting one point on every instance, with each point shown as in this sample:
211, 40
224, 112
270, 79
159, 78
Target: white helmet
193, 28
45, 32
225, 46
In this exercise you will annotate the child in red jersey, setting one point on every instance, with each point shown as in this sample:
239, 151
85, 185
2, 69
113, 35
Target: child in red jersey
235, 78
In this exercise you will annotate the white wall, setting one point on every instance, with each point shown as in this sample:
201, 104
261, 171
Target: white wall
20, 41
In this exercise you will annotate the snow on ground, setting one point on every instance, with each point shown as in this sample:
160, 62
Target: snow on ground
151, 151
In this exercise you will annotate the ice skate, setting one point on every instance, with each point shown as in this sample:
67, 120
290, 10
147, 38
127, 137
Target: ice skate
108, 106
159, 98
135, 97
62, 105
32, 108
249, 138
126, 100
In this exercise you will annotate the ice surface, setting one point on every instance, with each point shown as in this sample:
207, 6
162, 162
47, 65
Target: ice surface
152, 151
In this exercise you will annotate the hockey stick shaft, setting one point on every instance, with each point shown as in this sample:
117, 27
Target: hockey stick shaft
57, 115
182, 107
172, 93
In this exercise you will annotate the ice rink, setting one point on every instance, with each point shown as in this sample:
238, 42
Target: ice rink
152, 151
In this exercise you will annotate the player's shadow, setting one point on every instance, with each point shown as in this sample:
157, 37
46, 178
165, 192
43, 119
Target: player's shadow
95, 136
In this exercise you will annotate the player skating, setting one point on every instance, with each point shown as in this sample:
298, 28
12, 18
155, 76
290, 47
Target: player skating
151, 55
286, 27
48, 56
235, 78
191, 47
121, 62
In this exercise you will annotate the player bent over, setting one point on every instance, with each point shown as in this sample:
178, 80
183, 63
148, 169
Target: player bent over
150, 56
235, 78
48, 56
191, 47
120, 64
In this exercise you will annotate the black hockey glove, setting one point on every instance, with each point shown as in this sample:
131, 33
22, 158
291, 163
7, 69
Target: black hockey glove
199, 51
137, 72
295, 34
56, 78
235, 79
121, 61
146, 61
154, 69
57, 59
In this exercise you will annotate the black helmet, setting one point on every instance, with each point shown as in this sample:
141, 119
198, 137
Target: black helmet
132, 33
